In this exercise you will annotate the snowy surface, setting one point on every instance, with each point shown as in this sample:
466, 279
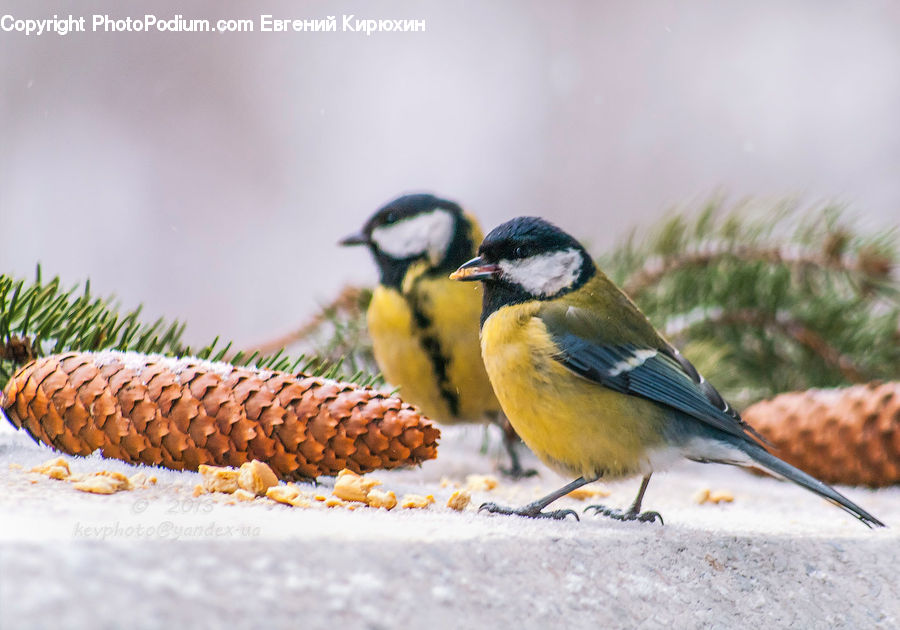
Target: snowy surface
158, 557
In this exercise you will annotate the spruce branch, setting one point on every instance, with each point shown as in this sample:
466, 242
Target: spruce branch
336, 332
790, 298
777, 323
40, 318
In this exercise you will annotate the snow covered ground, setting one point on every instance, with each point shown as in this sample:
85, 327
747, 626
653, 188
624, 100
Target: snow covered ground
156, 557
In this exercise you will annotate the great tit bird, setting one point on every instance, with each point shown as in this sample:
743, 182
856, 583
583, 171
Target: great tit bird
424, 326
589, 384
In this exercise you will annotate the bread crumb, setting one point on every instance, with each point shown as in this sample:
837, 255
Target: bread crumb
584, 492
219, 478
334, 502
54, 468
706, 495
446, 482
416, 501
320, 497
352, 487
288, 494
244, 495
104, 482
152, 481
256, 477
459, 500
479, 483
140, 480
58, 472
380, 499
198, 490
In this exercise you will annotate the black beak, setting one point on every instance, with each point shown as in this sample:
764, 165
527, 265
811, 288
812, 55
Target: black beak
476, 269
355, 239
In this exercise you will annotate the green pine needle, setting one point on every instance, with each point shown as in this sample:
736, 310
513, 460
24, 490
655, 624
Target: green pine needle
38, 319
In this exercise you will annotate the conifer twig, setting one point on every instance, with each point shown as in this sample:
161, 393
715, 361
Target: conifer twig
655, 270
785, 325
347, 301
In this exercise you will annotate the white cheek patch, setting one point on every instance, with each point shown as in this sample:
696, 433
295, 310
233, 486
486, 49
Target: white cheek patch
426, 233
544, 274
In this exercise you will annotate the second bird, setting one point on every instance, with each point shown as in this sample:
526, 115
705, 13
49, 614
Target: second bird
424, 326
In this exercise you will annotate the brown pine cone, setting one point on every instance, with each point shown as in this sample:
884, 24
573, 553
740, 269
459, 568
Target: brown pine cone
845, 436
180, 413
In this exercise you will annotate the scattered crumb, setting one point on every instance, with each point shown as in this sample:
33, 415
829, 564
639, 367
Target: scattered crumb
416, 501
55, 468
334, 502
705, 495
320, 497
97, 485
58, 472
198, 490
219, 478
478, 483
352, 487
380, 499
446, 482
459, 500
104, 482
244, 495
140, 480
585, 492
256, 477
288, 494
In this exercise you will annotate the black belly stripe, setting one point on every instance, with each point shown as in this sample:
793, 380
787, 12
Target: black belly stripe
432, 347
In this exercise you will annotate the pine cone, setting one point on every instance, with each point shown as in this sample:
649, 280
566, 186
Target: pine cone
846, 436
180, 413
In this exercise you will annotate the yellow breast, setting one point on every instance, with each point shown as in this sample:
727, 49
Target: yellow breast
572, 424
435, 360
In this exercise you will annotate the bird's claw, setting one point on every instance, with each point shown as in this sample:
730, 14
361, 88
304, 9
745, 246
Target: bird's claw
530, 510
517, 472
630, 515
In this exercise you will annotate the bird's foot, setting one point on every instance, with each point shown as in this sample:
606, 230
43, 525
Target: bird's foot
515, 470
532, 510
630, 515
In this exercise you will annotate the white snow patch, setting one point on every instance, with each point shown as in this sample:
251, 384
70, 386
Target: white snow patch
137, 362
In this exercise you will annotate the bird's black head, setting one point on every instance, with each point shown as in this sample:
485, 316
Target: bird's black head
527, 259
412, 228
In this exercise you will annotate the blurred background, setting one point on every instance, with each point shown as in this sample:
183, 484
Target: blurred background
209, 175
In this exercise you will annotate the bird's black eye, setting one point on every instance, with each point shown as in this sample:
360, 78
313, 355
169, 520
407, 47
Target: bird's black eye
519, 252
390, 218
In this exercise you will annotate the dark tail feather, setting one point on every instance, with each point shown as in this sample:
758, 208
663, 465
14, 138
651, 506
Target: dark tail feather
772, 464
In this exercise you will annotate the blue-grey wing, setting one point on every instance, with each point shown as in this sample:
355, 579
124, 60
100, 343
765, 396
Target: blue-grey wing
662, 375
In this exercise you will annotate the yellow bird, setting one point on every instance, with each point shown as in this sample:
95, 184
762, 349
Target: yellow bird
424, 326
589, 384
